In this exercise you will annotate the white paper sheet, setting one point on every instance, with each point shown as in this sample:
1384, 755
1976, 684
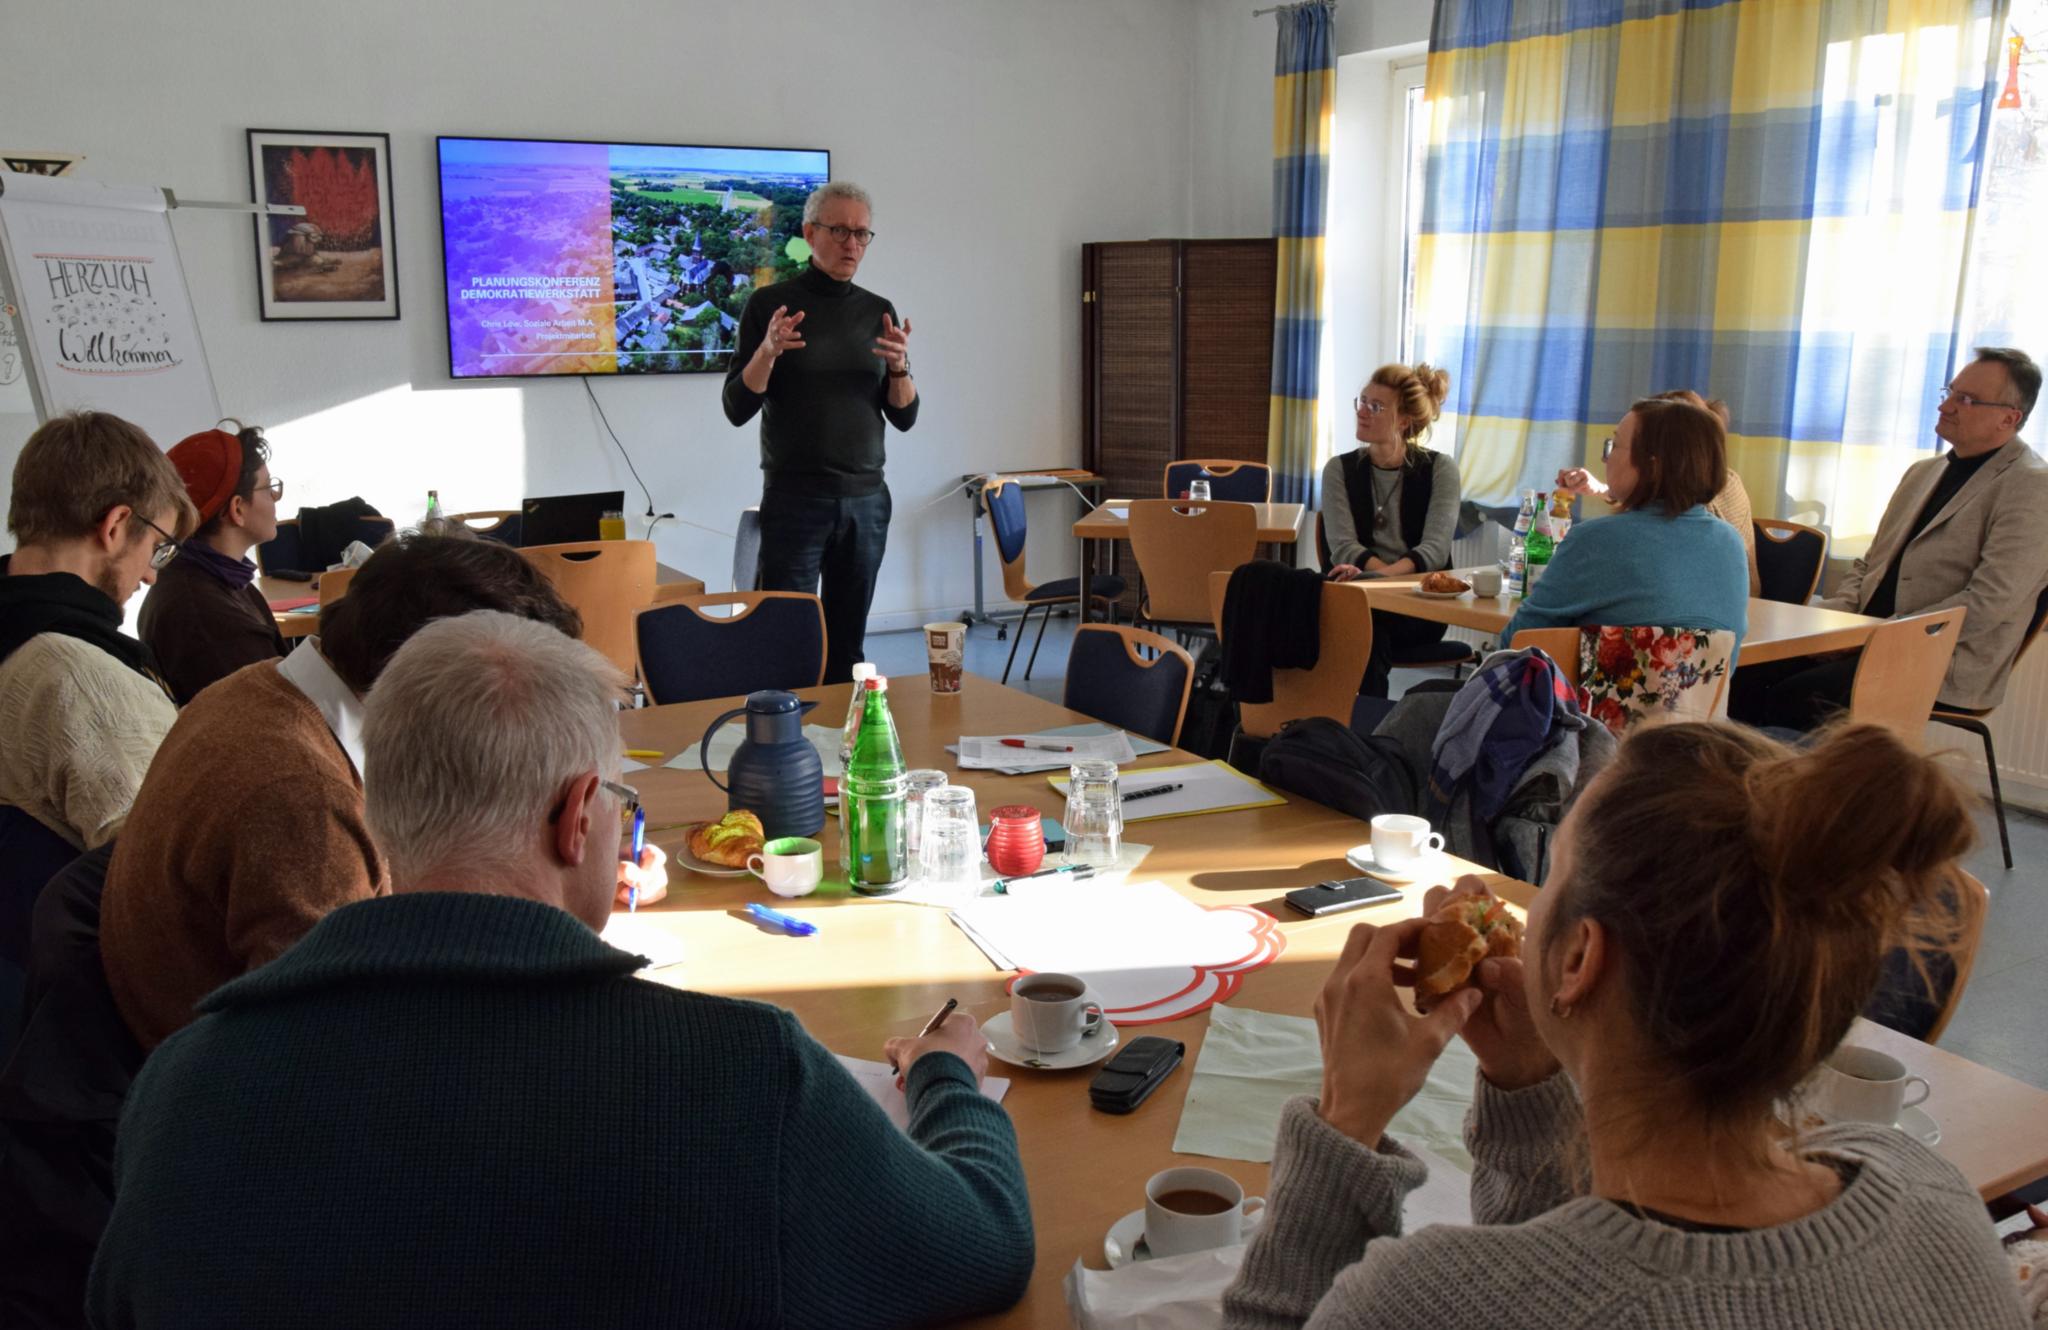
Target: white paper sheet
731, 734
990, 753
1205, 787
1023, 764
642, 936
879, 1080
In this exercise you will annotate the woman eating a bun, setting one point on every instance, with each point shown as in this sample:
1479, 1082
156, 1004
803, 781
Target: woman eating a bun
1716, 914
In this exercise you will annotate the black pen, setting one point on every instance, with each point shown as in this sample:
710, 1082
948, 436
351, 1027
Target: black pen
1156, 789
1076, 871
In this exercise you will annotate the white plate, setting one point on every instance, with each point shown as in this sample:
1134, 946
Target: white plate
681, 855
1125, 1241
1440, 595
1920, 1124
1002, 1044
1360, 858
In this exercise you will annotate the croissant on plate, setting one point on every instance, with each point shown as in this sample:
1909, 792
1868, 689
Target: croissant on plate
730, 840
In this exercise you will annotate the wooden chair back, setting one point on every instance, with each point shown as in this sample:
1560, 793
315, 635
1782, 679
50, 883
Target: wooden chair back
1178, 545
334, 585
1240, 482
1973, 907
489, 523
1330, 687
1560, 644
1899, 676
607, 582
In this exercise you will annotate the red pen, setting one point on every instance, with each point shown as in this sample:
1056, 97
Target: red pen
1039, 744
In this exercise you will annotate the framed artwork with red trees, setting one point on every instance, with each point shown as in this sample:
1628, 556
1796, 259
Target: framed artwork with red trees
339, 260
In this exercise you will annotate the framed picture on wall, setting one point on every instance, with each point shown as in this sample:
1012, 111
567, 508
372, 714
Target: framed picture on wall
340, 260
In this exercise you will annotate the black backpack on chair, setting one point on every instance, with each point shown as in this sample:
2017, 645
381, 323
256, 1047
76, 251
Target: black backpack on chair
1319, 759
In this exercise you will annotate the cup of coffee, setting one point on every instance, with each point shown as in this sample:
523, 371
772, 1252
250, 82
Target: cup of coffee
945, 647
792, 866
1486, 582
1194, 1209
1402, 841
1052, 1012
1863, 1085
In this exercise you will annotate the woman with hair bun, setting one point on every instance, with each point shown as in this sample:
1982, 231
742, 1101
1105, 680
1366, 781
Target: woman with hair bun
1390, 506
1716, 915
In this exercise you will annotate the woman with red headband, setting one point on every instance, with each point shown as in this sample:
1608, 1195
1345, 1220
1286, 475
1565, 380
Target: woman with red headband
205, 618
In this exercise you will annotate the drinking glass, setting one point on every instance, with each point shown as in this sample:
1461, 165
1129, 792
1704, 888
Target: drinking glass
949, 843
1198, 490
611, 525
1095, 814
918, 784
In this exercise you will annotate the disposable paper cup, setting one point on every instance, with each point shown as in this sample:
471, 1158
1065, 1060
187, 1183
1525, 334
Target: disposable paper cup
945, 647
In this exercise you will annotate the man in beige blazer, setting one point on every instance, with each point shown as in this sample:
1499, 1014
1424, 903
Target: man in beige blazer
1969, 528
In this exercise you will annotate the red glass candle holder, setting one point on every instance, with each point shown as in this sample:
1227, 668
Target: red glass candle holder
1016, 840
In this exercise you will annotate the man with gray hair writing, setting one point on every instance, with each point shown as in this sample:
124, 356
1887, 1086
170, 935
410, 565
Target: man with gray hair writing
456, 1105
825, 363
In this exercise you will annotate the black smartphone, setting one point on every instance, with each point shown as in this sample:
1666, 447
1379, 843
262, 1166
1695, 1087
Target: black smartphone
1137, 1069
1348, 894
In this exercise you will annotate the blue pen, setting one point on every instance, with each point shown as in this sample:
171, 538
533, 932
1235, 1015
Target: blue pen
637, 843
787, 923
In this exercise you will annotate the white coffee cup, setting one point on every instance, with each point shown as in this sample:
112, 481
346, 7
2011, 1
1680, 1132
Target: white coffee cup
1050, 1013
1486, 582
792, 866
1863, 1085
1400, 840
1218, 1218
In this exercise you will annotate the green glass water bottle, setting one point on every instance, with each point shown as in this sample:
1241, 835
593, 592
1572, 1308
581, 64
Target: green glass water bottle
874, 800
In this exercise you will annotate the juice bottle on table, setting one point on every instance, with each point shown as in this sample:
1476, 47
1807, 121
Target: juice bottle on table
874, 799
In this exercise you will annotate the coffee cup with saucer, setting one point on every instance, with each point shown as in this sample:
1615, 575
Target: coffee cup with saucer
1403, 848
1053, 1023
1228, 1218
1858, 1084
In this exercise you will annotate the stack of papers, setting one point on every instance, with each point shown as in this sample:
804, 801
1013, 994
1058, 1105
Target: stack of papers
879, 1080
1024, 761
1205, 787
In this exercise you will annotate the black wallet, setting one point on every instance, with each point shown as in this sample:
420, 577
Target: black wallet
1129, 1078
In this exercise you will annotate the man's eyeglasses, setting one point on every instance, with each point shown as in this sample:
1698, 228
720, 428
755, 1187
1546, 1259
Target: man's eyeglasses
1964, 399
629, 806
166, 549
1367, 405
859, 235
1607, 448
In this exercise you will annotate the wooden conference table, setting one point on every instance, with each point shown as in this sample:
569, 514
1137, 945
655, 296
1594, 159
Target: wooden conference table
293, 625
1777, 631
1279, 524
877, 968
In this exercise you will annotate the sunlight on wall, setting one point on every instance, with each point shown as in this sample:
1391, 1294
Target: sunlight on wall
391, 447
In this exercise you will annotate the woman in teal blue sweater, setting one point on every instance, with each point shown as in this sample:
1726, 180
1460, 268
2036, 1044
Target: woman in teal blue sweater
1663, 559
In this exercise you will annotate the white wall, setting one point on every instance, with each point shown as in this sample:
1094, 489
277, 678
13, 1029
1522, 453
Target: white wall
996, 136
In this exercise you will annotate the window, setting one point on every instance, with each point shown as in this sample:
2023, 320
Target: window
2008, 265
1413, 150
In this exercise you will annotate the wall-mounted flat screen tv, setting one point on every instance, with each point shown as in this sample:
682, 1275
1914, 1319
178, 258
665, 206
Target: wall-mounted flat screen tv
612, 258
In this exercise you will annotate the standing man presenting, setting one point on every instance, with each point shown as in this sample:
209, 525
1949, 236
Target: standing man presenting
825, 362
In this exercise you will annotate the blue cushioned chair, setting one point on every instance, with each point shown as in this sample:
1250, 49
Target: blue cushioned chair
1108, 678
1004, 503
1231, 482
1789, 557
30, 855
1917, 998
776, 640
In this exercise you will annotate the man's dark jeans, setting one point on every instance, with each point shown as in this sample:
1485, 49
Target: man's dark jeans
808, 540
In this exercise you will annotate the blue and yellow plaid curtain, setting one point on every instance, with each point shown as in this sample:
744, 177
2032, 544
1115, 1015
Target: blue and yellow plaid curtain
1304, 94
1768, 201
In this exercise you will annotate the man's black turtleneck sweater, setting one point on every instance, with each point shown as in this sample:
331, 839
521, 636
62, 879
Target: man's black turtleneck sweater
821, 418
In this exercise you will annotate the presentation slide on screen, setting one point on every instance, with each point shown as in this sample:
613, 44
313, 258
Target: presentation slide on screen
596, 258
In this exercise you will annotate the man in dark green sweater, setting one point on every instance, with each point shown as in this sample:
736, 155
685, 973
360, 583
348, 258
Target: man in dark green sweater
825, 363
456, 1106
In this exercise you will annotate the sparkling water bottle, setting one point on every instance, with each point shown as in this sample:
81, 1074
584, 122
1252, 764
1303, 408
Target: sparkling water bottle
855, 705
873, 800
1517, 580
1526, 518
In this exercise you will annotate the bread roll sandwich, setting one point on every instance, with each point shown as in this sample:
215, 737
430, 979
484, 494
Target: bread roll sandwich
1456, 938
730, 840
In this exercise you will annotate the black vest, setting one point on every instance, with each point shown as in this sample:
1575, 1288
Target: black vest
1418, 480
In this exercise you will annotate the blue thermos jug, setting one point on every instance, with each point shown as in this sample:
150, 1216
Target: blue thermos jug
775, 772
